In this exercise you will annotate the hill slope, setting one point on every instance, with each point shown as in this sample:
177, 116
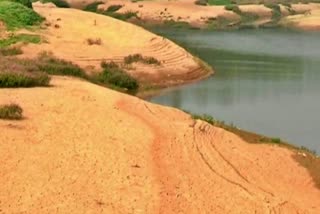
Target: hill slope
86, 149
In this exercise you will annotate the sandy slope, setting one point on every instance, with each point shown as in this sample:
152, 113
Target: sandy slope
310, 21
85, 149
69, 30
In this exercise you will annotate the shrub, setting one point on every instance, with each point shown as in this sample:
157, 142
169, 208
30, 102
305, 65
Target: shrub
113, 8
94, 41
139, 58
275, 140
25, 38
15, 15
121, 16
113, 75
17, 80
276, 11
93, 7
219, 2
11, 112
233, 8
58, 3
51, 65
26, 3
10, 51
204, 117
201, 2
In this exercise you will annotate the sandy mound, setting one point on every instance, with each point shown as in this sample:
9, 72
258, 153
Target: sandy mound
309, 21
85, 149
69, 30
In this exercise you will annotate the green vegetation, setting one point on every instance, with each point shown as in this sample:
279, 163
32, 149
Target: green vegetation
18, 80
176, 24
114, 76
113, 8
10, 112
16, 16
201, 2
219, 22
49, 64
276, 14
139, 58
219, 2
58, 3
121, 16
27, 3
10, 51
93, 7
24, 38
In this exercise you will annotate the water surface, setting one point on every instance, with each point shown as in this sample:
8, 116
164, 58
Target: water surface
266, 81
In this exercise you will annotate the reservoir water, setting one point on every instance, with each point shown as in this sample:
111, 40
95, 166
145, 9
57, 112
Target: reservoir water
266, 81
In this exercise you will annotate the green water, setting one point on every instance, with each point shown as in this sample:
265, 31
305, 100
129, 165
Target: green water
266, 81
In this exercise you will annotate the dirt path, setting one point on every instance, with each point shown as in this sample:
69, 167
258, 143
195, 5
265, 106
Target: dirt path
94, 150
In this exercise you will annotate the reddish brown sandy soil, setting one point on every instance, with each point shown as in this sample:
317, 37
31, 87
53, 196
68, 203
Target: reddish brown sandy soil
82, 148
68, 30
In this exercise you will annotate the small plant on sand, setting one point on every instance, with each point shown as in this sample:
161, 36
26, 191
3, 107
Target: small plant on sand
11, 112
18, 80
121, 16
219, 2
139, 58
15, 15
114, 76
91, 41
10, 51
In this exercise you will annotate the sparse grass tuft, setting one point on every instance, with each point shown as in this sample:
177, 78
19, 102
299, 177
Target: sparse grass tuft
11, 112
139, 58
275, 140
18, 80
49, 64
10, 51
121, 16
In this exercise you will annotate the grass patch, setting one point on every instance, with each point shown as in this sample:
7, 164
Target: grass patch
49, 64
219, 2
114, 76
18, 80
58, 3
10, 51
93, 7
16, 16
24, 38
121, 16
27, 3
139, 58
201, 2
113, 8
11, 112
176, 24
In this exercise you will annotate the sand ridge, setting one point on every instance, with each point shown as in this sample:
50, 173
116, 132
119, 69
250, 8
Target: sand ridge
95, 150
68, 30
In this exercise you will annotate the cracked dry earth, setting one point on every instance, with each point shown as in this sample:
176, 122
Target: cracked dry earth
82, 148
